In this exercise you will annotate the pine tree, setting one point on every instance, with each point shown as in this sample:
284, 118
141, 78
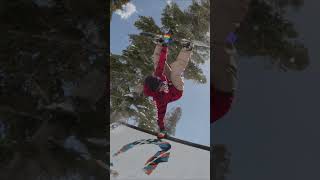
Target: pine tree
272, 36
282, 4
172, 120
47, 49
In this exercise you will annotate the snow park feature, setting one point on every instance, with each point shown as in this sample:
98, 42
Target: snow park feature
137, 154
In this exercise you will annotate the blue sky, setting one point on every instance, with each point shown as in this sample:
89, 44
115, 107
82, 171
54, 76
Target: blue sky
194, 124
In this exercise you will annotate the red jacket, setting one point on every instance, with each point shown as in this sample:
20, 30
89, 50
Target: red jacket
161, 98
221, 103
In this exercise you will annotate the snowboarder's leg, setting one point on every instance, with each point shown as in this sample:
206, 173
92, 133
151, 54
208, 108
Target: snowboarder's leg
225, 70
156, 55
178, 68
227, 18
162, 132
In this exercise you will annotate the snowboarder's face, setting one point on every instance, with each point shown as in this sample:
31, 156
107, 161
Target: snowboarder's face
164, 88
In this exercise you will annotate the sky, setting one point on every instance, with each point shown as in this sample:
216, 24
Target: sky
272, 131
194, 125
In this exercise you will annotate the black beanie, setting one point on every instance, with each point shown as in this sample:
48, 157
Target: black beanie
152, 82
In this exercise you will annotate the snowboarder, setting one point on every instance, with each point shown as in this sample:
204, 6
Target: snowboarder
225, 78
227, 17
166, 84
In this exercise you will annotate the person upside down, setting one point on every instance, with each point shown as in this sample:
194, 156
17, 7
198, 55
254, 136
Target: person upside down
227, 17
166, 84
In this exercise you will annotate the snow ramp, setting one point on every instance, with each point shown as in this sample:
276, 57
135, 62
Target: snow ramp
137, 154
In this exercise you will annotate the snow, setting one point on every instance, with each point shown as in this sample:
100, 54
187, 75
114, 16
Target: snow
199, 43
143, 107
142, 114
185, 162
138, 72
133, 107
123, 61
129, 95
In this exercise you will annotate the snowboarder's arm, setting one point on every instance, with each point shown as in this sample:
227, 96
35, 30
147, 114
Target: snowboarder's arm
161, 62
162, 108
174, 94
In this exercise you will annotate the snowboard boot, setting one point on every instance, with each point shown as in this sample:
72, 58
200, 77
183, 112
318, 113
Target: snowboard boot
162, 134
186, 44
158, 40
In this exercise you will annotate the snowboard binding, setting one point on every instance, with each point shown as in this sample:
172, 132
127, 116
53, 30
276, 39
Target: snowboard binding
186, 44
168, 39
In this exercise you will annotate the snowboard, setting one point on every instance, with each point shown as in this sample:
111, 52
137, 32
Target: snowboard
168, 40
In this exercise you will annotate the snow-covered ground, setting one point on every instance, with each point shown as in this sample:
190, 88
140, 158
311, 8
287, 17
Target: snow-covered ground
185, 162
